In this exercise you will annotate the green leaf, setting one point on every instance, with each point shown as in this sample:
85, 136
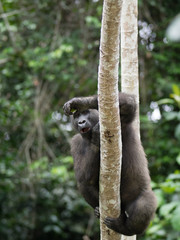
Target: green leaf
52, 228
167, 208
165, 101
153, 184
159, 196
157, 229
174, 176
168, 187
171, 115
176, 98
68, 160
176, 219
73, 110
60, 171
154, 229
40, 164
176, 89
178, 159
54, 219
177, 132
93, 21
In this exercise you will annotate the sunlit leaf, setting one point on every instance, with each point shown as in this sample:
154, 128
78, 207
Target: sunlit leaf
60, 171
67, 159
168, 187
40, 163
178, 159
165, 101
176, 89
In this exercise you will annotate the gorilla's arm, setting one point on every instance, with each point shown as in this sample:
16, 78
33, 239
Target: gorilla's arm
86, 165
90, 194
126, 102
80, 104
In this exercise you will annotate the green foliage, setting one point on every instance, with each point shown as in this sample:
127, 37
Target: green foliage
167, 189
166, 223
49, 53
48, 204
44, 57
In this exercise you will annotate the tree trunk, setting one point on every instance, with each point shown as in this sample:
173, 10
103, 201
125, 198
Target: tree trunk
110, 129
111, 145
129, 58
129, 52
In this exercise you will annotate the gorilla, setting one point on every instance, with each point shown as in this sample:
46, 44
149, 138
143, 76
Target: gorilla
138, 202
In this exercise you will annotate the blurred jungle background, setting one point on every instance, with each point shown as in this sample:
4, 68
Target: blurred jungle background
49, 52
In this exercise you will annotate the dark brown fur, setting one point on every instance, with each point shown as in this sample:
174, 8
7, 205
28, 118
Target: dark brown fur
138, 202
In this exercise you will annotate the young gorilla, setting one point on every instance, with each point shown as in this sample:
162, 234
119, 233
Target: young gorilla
138, 203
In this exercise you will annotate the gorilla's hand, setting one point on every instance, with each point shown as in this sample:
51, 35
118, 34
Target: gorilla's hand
73, 105
80, 104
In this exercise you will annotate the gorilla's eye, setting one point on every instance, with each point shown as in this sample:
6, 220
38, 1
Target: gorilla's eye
76, 114
85, 112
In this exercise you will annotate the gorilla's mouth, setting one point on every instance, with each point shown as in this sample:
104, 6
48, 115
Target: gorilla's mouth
85, 130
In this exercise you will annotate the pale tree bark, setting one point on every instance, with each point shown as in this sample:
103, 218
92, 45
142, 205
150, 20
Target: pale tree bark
111, 145
109, 116
129, 58
129, 52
